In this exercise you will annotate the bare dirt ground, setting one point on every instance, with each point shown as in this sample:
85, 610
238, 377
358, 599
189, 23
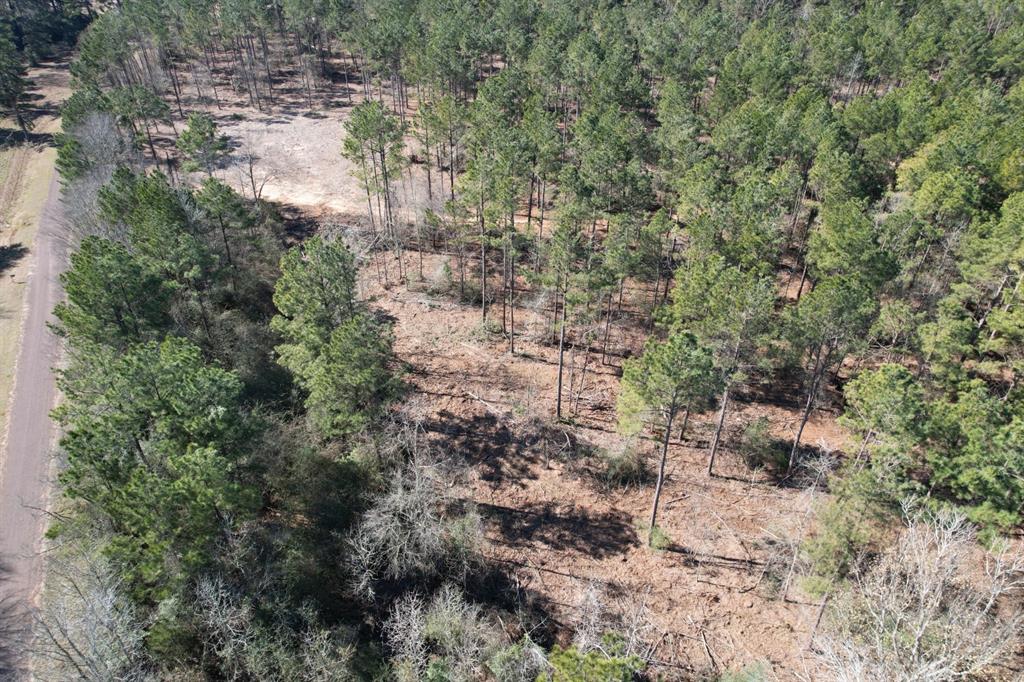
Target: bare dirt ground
300, 159
563, 529
714, 592
295, 148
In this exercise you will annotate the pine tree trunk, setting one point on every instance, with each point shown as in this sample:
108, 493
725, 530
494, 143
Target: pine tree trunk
654, 300
661, 474
213, 77
820, 365
227, 252
800, 429
796, 207
529, 204
607, 330
451, 163
266, 65
512, 305
426, 160
668, 275
195, 81
686, 420
483, 265
561, 359
369, 198
149, 140
803, 278
583, 379
541, 192
504, 287
176, 87
717, 438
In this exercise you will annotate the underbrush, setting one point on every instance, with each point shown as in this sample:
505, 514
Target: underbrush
760, 449
622, 467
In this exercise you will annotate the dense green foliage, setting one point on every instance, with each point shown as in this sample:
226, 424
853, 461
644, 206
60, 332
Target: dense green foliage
570, 665
201, 145
336, 350
12, 80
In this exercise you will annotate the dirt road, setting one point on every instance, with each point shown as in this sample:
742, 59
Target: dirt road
31, 232
24, 480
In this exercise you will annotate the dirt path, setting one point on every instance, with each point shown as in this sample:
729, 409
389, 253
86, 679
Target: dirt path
33, 255
26, 463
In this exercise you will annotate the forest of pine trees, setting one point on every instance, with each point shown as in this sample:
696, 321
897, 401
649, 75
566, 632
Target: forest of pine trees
817, 201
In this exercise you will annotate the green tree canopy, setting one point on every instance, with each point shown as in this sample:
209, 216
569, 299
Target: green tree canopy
336, 351
153, 438
203, 147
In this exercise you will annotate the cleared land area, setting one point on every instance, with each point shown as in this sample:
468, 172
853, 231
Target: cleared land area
547, 511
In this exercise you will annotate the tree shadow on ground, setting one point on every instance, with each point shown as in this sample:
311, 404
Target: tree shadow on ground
298, 225
786, 387
487, 443
500, 586
505, 452
571, 528
703, 560
10, 254
15, 619
809, 468
14, 137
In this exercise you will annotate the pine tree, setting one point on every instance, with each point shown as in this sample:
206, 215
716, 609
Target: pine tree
113, 298
373, 143
336, 351
152, 438
202, 146
731, 311
12, 81
827, 325
671, 375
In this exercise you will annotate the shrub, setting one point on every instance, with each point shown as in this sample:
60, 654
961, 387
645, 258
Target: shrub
660, 539
613, 625
623, 466
572, 665
446, 639
759, 449
416, 530
849, 528
924, 610
843, 536
519, 662
750, 673
245, 641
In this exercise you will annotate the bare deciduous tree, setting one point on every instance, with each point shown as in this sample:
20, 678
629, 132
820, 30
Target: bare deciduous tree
101, 148
417, 528
86, 628
449, 626
252, 178
934, 607
626, 616
248, 648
